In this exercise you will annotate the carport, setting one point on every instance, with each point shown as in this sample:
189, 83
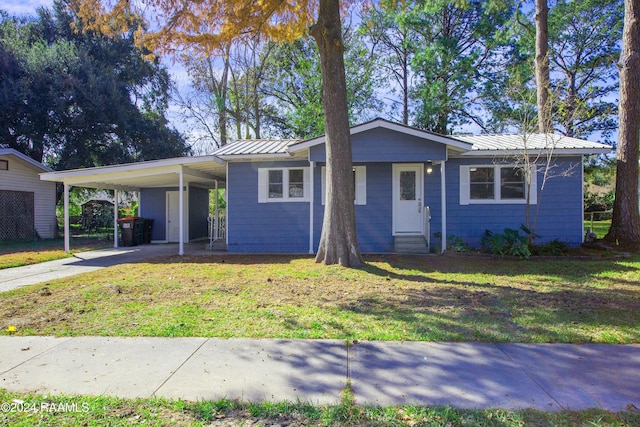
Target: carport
202, 171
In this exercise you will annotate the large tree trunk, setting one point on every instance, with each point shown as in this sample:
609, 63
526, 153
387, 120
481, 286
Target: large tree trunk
543, 81
625, 226
338, 242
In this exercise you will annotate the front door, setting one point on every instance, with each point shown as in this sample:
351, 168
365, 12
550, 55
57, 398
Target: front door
173, 216
408, 180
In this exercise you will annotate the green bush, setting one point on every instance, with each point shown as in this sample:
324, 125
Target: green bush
511, 242
553, 248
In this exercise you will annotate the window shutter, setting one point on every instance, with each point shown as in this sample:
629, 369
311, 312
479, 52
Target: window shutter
464, 185
307, 183
263, 185
533, 195
323, 179
361, 185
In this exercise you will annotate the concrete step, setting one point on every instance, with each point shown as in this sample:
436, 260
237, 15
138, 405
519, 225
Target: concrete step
410, 244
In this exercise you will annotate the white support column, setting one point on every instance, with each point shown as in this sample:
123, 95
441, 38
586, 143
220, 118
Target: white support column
67, 246
443, 195
115, 218
311, 202
216, 214
181, 214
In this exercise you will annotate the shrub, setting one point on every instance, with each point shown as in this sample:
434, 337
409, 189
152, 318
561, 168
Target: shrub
511, 242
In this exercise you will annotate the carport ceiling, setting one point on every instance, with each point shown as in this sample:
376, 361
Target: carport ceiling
201, 170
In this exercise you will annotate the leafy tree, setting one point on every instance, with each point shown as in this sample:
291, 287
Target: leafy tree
453, 56
79, 99
583, 44
293, 81
625, 224
394, 42
584, 40
213, 23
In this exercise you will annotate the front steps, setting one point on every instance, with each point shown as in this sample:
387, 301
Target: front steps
410, 245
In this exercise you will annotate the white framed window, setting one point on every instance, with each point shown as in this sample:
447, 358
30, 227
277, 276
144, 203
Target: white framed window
497, 184
283, 185
359, 182
4, 165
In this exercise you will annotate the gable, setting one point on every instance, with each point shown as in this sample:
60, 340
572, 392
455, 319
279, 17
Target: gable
386, 145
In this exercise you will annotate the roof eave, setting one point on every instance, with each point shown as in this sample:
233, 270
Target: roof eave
556, 151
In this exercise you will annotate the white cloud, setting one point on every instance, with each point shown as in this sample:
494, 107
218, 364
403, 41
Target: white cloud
23, 7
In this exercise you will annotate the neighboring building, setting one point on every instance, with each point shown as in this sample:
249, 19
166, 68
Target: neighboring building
27, 204
411, 188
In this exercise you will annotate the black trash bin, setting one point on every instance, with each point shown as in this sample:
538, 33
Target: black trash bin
129, 231
148, 225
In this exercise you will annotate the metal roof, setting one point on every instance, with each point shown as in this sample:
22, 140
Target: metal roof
534, 141
253, 147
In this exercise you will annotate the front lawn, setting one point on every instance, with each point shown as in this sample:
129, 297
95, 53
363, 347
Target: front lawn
435, 298
109, 411
17, 254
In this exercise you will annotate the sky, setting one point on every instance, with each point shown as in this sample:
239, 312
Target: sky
23, 7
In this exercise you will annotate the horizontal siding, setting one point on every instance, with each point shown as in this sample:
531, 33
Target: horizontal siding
384, 145
21, 176
559, 216
263, 227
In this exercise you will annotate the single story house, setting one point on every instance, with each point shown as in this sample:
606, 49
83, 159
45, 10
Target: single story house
411, 188
27, 204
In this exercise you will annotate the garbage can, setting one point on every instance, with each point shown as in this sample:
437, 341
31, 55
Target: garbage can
129, 230
148, 225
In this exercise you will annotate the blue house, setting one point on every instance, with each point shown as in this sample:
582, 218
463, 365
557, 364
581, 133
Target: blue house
411, 188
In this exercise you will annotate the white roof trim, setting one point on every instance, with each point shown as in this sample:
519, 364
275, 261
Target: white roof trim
164, 165
24, 158
381, 123
554, 151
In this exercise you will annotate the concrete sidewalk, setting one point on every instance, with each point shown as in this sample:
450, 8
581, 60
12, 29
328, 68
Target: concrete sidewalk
467, 375
12, 278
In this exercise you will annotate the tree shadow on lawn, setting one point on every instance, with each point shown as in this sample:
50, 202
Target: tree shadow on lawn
571, 270
497, 314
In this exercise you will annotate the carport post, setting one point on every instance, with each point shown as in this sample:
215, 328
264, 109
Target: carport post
115, 218
67, 248
181, 214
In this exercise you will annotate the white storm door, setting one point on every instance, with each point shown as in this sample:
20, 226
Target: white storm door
173, 216
408, 180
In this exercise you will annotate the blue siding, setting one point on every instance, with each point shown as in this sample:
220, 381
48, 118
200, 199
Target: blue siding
559, 217
198, 213
384, 145
373, 220
263, 227
153, 205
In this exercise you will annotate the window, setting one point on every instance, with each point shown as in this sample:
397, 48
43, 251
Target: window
503, 184
4, 165
283, 185
359, 182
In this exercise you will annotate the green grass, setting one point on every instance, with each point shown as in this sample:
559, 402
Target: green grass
599, 227
21, 253
399, 298
114, 412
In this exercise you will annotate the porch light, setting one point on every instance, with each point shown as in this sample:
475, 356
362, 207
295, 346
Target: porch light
429, 168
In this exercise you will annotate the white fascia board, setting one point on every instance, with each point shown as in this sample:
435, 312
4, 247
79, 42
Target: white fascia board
255, 157
555, 152
151, 167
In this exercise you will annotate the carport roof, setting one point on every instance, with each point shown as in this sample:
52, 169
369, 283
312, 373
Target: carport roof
203, 170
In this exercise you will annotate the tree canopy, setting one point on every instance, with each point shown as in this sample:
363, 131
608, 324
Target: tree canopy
79, 99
